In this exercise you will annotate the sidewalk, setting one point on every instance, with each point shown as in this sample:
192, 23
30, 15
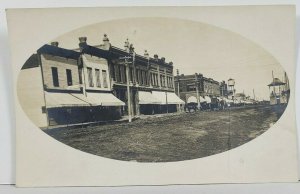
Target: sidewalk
123, 119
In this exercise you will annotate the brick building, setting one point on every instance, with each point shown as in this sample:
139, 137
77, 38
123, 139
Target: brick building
197, 89
150, 80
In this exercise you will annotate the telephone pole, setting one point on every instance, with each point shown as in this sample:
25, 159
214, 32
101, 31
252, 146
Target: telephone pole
197, 90
126, 64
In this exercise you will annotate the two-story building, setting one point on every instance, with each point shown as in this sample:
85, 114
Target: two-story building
196, 88
149, 81
96, 82
49, 84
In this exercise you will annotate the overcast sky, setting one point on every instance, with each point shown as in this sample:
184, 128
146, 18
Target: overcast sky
192, 47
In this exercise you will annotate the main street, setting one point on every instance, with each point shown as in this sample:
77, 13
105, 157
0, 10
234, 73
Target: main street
172, 137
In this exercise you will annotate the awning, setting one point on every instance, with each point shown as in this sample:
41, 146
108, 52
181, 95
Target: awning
56, 99
172, 98
90, 99
192, 99
147, 98
202, 99
236, 101
102, 99
160, 96
228, 100
106, 99
207, 98
167, 97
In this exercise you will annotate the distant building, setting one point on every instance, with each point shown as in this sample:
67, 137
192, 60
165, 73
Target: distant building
223, 89
190, 88
279, 91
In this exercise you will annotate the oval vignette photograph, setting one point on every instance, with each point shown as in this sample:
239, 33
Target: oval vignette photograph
153, 89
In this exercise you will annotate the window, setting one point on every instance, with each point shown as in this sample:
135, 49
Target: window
141, 77
69, 77
145, 77
104, 75
117, 73
125, 73
80, 76
120, 74
98, 81
164, 81
90, 77
191, 88
112, 69
44, 109
55, 76
168, 82
156, 79
151, 79
138, 76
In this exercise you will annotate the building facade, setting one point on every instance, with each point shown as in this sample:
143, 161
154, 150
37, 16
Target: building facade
96, 83
197, 88
148, 80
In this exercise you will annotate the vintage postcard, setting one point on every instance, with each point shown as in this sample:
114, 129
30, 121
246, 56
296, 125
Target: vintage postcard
154, 95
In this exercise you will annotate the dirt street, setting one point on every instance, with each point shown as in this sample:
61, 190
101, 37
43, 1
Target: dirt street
174, 137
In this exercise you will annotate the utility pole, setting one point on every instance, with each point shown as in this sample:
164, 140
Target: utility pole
126, 63
273, 83
253, 94
197, 90
178, 85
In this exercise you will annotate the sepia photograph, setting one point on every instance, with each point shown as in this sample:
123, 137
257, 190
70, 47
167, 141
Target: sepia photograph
153, 89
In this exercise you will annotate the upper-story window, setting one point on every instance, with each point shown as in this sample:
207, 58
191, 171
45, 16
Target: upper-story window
156, 79
117, 73
170, 82
131, 74
80, 75
124, 74
141, 77
69, 77
104, 75
191, 87
90, 77
162, 81
167, 82
112, 69
138, 76
98, 81
146, 78
55, 76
